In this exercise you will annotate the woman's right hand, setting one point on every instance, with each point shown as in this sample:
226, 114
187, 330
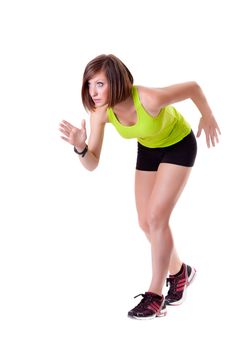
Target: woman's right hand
75, 136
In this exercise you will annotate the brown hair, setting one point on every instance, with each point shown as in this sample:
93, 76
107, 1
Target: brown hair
119, 78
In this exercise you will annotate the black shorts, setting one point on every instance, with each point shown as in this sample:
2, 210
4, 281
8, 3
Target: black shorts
181, 153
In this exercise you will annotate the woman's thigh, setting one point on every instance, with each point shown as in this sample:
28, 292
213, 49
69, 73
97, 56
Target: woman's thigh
169, 184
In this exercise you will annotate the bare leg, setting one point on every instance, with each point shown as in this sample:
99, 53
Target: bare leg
175, 262
144, 183
169, 183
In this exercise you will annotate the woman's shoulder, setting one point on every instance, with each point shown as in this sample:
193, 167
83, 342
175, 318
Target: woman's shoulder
148, 98
146, 92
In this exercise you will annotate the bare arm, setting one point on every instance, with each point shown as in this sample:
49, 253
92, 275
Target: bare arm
77, 137
96, 136
183, 91
179, 92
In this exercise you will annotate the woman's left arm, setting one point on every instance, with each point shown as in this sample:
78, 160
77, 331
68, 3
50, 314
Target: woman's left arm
183, 91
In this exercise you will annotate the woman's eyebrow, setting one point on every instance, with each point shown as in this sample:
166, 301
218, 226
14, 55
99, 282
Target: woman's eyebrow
96, 80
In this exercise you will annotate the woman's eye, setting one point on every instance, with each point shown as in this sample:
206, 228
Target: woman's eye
100, 84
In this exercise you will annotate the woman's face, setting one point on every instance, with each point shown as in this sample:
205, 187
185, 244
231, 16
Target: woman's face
98, 89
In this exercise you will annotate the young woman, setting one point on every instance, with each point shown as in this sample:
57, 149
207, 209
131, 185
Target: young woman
166, 153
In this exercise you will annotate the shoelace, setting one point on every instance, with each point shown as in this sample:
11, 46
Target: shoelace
147, 299
173, 284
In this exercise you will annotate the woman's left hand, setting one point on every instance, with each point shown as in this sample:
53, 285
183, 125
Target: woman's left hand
211, 129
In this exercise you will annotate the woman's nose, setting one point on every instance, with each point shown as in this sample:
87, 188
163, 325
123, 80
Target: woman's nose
93, 92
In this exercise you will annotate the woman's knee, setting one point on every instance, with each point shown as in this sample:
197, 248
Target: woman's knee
157, 219
142, 220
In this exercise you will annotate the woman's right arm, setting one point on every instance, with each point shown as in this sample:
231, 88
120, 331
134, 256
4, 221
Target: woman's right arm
77, 137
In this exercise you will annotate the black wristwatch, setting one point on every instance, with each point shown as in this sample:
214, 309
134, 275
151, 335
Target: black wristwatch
83, 152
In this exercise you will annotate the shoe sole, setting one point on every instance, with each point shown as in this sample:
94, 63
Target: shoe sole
190, 280
161, 314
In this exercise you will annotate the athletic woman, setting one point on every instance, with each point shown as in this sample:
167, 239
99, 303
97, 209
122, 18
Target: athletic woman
166, 153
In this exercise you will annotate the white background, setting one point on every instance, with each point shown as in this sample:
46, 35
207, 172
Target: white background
72, 255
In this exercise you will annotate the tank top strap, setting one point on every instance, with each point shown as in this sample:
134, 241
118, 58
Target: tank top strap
135, 95
110, 114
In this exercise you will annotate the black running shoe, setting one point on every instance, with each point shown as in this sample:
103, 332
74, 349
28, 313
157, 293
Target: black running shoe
178, 284
151, 306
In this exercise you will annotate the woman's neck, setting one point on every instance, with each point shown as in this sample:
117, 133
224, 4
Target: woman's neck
125, 106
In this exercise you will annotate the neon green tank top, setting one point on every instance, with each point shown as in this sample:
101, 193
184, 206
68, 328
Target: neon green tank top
166, 129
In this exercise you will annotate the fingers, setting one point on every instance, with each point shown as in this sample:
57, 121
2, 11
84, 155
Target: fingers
64, 131
211, 130
67, 132
217, 127
199, 131
66, 128
71, 134
67, 124
207, 137
83, 124
64, 138
216, 136
212, 136
212, 140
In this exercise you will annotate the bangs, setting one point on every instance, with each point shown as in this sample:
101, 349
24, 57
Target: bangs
119, 78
